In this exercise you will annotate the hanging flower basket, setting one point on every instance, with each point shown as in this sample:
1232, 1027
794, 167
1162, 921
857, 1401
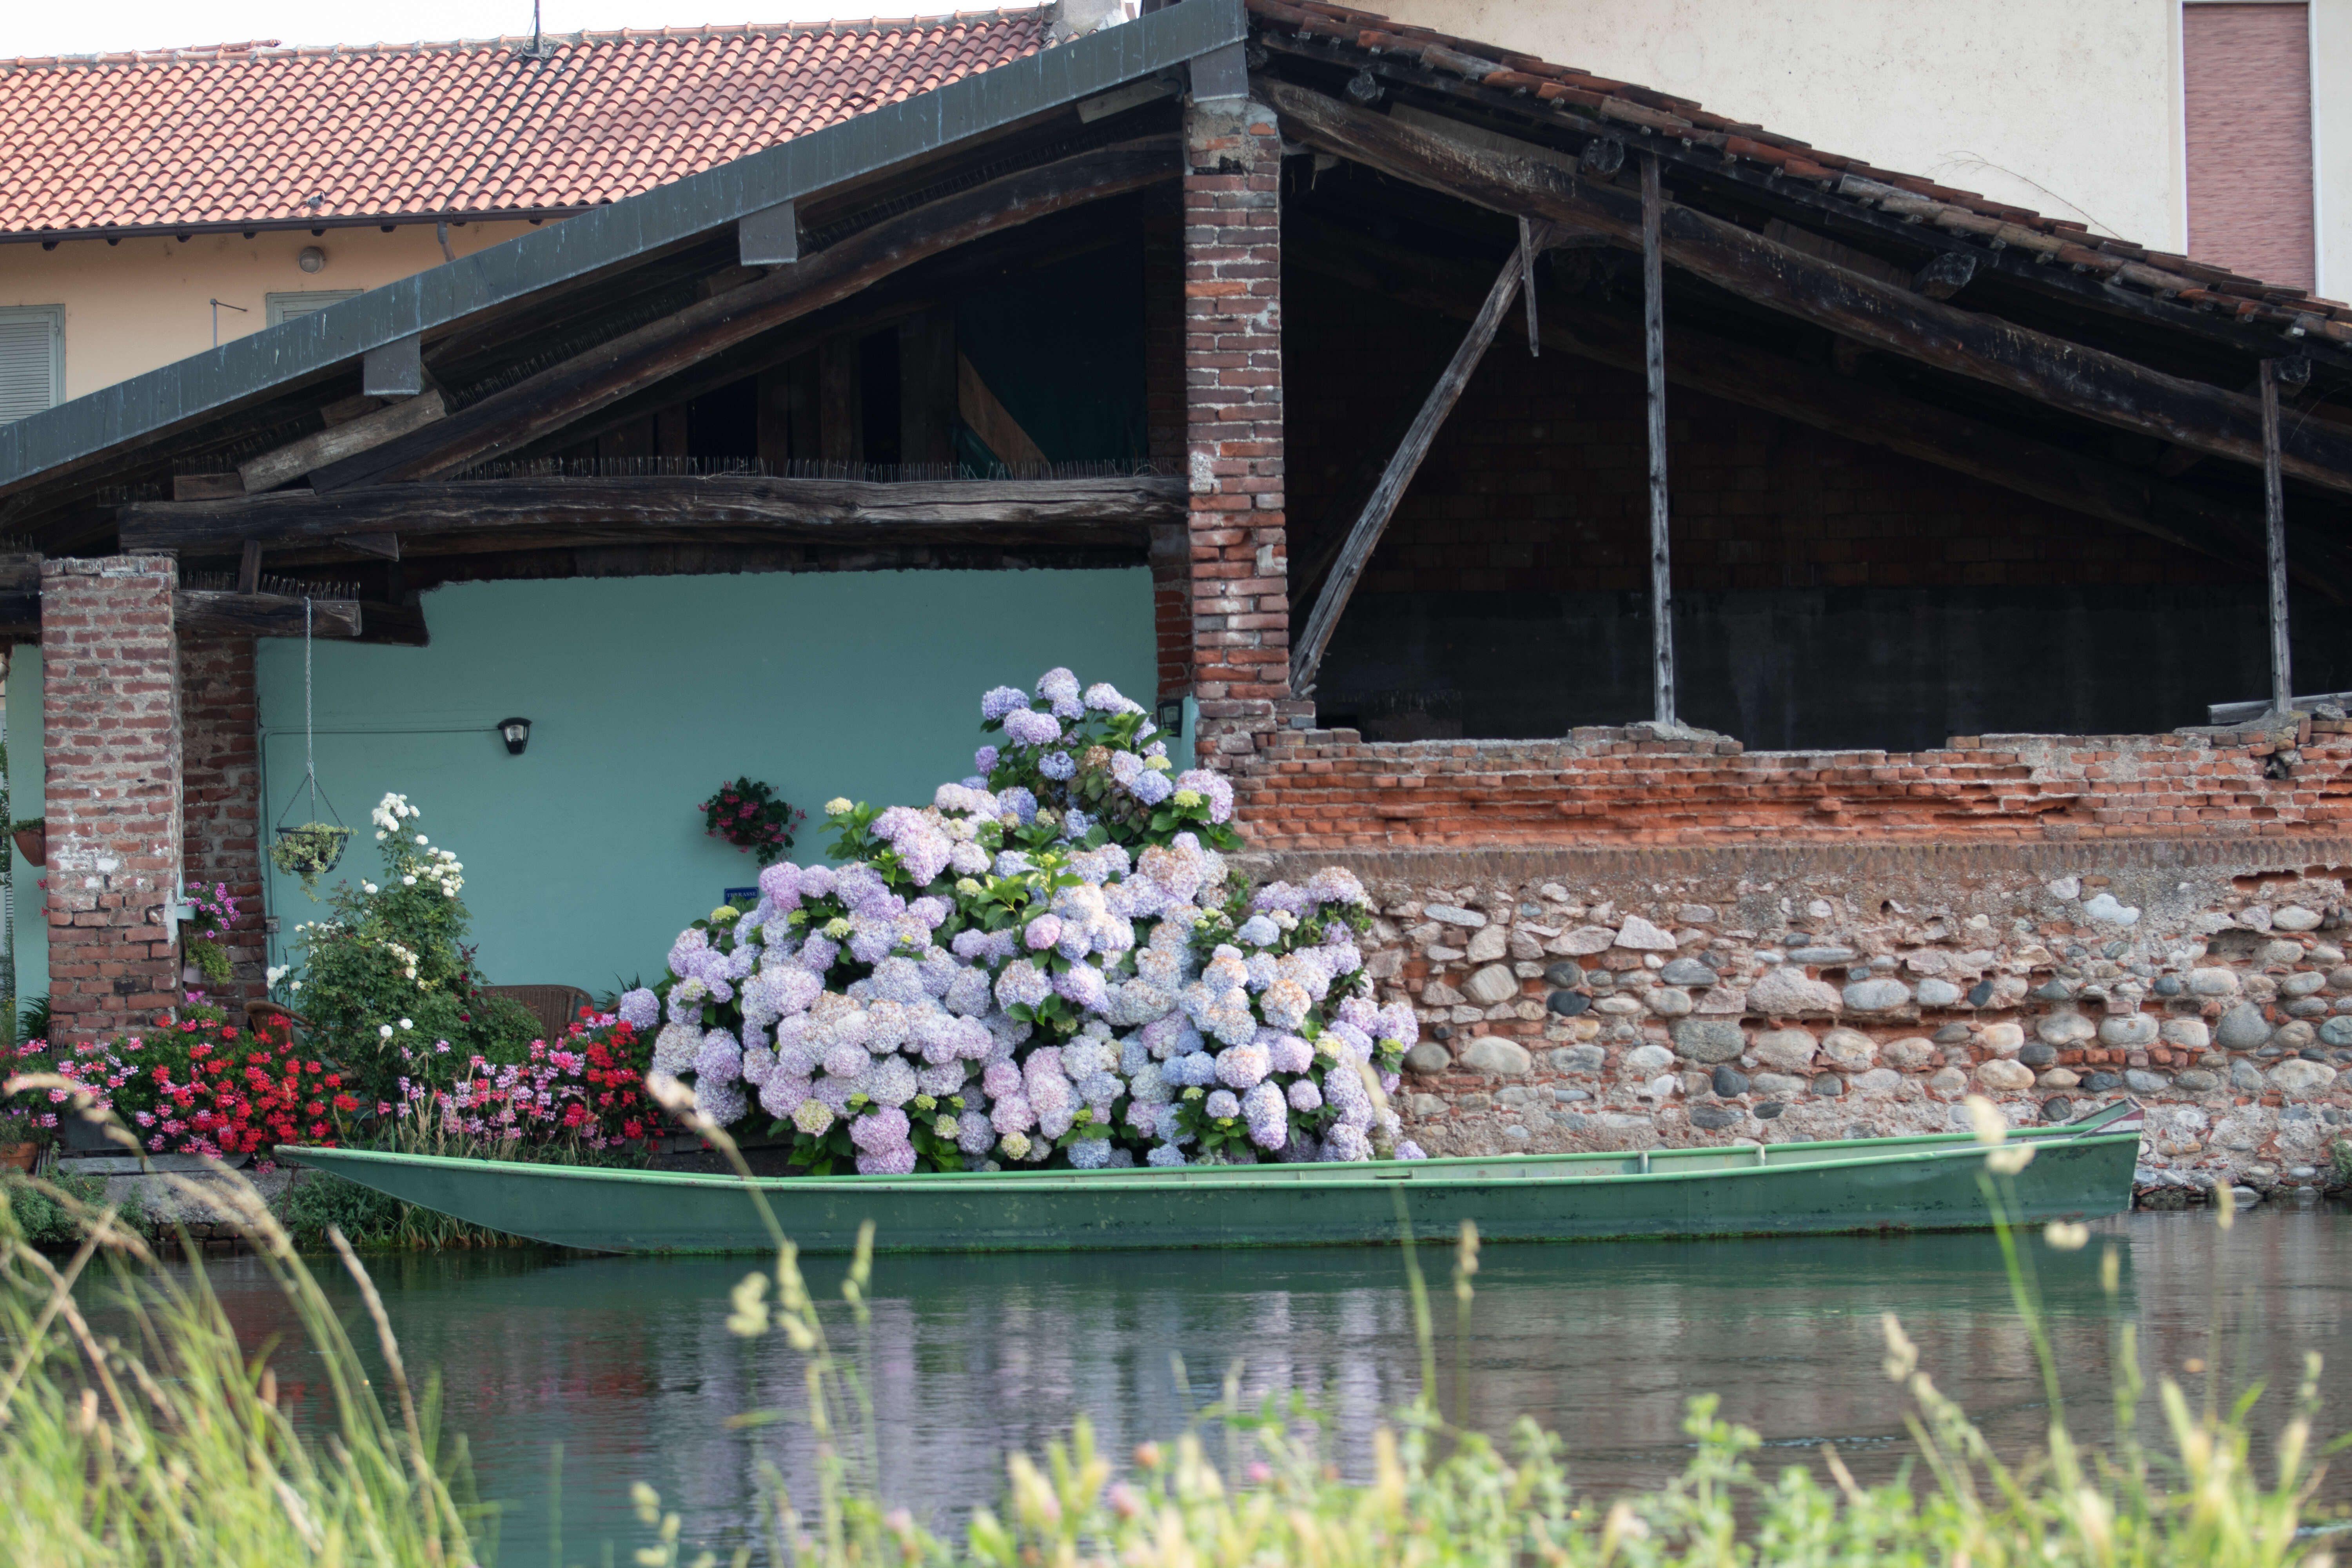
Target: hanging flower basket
32, 841
309, 851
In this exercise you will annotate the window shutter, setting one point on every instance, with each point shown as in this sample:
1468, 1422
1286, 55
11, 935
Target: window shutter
2246, 91
32, 360
287, 307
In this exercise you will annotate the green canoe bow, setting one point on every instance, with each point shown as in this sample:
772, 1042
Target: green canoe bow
2079, 1171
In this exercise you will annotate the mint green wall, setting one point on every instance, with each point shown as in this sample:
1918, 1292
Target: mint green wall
585, 856
26, 795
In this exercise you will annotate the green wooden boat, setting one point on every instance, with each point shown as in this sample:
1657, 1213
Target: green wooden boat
2081, 1170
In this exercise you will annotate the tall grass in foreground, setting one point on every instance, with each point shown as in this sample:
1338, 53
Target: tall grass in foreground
173, 1448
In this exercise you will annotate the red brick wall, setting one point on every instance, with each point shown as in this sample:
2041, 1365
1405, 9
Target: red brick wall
1232, 372
1327, 789
1537, 482
221, 810
112, 741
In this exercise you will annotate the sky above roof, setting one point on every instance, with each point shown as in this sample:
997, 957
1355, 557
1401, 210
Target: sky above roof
38, 30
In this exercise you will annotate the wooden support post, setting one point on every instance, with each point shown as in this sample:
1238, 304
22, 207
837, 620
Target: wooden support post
1528, 287
2274, 533
1366, 533
248, 568
926, 388
776, 431
1654, 358
837, 399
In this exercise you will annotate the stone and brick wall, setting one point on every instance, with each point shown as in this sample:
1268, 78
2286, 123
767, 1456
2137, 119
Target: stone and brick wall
112, 746
222, 809
1330, 788
1233, 456
1611, 999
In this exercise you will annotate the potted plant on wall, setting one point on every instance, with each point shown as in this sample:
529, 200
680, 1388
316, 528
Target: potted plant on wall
210, 915
748, 815
32, 837
309, 850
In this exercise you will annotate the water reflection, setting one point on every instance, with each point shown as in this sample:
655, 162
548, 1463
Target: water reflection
627, 1363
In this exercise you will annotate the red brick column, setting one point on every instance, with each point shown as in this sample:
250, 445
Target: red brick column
221, 806
1233, 374
110, 711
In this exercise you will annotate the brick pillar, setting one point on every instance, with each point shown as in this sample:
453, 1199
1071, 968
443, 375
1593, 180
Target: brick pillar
221, 806
110, 710
1233, 374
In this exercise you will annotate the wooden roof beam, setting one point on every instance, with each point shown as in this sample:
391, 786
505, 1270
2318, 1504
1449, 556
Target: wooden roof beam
1099, 510
2084, 380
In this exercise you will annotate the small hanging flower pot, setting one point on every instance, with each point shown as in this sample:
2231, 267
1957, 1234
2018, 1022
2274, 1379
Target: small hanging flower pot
310, 850
32, 838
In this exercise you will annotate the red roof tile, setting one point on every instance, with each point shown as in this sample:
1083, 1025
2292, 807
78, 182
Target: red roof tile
245, 133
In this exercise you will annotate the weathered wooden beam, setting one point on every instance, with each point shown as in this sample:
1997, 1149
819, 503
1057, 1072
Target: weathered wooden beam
263, 615
1761, 379
927, 387
993, 423
611, 507
2081, 380
1945, 275
1653, 371
1308, 655
2274, 543
20, 571
206, 487
249, 567
340, 443
576, 388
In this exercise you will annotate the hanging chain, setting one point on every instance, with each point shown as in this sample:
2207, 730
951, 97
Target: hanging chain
309, 747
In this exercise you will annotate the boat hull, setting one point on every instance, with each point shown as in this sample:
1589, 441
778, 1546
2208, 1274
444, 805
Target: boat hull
1785, 1189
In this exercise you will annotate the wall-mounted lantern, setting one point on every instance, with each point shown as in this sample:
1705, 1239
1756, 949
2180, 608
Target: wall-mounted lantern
516, 733
1169, 715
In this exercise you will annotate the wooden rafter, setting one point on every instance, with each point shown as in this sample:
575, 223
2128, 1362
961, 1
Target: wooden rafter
2081, 380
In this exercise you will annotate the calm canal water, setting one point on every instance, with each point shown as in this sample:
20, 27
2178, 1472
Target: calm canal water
626, 1362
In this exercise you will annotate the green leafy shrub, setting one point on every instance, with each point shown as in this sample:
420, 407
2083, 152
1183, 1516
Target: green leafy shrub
389, 968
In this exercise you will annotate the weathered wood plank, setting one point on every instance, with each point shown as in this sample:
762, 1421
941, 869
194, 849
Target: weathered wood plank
339, 442
1308, 655
993, 423
2274, 543
927, 386
262, 615
206, 487
612, 507
2085, 381
576, 388
1759, 378
1653, 370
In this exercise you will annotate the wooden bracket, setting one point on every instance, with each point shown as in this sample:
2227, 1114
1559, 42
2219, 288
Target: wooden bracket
248, 568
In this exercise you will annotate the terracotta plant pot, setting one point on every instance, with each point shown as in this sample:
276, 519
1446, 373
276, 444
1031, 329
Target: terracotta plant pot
20, 1157
33, 844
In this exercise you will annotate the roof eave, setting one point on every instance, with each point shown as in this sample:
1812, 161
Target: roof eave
98, 423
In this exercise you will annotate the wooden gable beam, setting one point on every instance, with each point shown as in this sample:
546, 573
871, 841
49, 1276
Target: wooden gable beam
564, 393
263, 615
2081, 380
1112, 511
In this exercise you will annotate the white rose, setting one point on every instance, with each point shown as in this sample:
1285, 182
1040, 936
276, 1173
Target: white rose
383, 1031
406, 1025
420, 839
367, 887
408, 881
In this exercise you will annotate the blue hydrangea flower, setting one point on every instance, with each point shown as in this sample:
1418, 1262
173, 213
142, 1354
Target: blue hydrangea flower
999, 701
1057, 765
1027, 728
640, 1009
1152, 788
1222, 1103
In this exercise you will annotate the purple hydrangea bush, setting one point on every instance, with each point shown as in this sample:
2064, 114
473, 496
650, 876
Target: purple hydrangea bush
1051, 961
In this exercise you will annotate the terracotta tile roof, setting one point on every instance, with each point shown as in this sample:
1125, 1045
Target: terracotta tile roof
1540, 90
245, 133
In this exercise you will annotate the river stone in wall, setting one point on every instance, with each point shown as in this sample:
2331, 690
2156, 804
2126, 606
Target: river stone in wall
1493, 1054
1788, 993
2243, 1028
1785, 1050
2005, 1075
1709, 1039
1494, 984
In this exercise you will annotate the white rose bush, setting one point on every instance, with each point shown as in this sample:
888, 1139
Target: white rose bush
1050, 963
